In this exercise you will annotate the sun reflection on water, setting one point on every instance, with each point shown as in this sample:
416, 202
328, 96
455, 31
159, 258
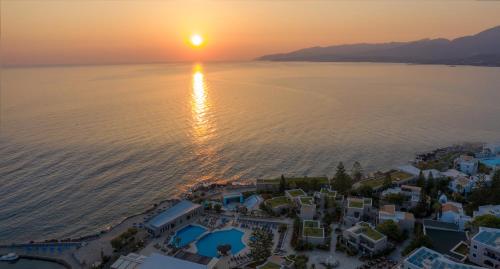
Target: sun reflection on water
200, 106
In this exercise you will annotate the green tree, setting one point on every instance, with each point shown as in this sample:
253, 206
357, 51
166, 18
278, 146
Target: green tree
419, 241
365, 191
342, 181
487, 220
429, 187
282, 183
356, 171
396, 198
421, 180
387, 181
224, 249
218, 208
260, 247
391, 230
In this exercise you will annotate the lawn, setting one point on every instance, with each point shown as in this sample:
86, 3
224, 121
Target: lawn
398, 176
462, 249
297, 192
270, 265
306, 200
277, 201
314, 232
379, 181
371, 233
356, 203
311, 224
296, 180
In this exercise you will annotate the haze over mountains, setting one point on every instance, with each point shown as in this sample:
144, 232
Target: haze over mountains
482, 49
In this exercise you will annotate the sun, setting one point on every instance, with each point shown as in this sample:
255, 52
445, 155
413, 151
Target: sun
196, 40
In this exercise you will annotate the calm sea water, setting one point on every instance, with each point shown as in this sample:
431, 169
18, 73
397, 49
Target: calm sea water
83, 147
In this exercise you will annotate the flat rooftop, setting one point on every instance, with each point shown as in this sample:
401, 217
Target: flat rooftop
277, 201
434, 224
490, 237
296, 192
172, 213
443, 241
158, 261
306, 200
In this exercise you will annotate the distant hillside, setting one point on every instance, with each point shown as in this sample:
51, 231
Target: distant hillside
481, 49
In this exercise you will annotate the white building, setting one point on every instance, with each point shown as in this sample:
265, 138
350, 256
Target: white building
424, 258
307, 207
189, 261
405, 220
453, 212
312, 232
467, 164
178, 215
462, 185
365, 238
412, 192
487, 210
295, 194
356, 209
131, 261
484, 248
453, 173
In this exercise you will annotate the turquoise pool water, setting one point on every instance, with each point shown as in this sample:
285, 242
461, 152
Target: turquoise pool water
207, 245
491, 162
251, 201
188, 234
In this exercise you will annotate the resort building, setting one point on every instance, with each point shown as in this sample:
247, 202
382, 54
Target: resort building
467, 164
412, 194
328, 198
453, 173
461, 185
278, 204
178, 215
365, 238
312, 232
484, 248
357, 209
453, 212
424, 258
491, 150
435, 173
131, 261
295, 194
487, 210
307, 207
405, 220
184, 260
410, 169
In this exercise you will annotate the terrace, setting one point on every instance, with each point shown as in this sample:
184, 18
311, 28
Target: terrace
311, 224
269, 265
370, 232
396, 176
306, 200
355, 202
277, 201
296, 193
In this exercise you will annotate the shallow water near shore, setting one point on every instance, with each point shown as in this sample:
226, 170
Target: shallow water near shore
81, 148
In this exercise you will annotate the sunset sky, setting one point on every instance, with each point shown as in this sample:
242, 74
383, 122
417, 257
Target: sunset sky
99, 32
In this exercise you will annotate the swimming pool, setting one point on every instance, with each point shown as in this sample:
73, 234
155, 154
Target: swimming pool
187, 235
492, 163
207, 245
252, 201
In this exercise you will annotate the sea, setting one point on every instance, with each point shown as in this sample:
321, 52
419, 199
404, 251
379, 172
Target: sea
83, 147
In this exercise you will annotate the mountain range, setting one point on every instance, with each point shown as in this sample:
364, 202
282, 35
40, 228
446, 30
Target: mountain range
482, 49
